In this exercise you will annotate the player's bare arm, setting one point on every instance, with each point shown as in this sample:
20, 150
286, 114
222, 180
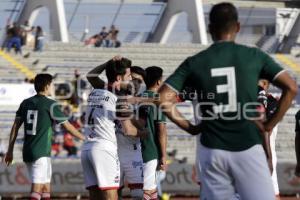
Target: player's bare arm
12, 139
267, 148
93, 77
289, 91
71, 129
168, 102
162, 139
130, 129
140, 125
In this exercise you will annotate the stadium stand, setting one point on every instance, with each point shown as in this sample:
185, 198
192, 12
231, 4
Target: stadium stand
9, 74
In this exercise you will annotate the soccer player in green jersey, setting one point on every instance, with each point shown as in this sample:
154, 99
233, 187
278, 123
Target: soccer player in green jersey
225, 76
154, 146
38, 114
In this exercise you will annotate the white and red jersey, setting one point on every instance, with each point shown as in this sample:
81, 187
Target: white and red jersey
100, 120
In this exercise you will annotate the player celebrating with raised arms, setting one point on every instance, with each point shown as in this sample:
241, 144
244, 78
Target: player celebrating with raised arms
38, 114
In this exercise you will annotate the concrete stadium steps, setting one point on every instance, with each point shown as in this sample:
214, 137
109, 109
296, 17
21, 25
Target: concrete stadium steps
86, 55
74, 55
9, 74
285, 146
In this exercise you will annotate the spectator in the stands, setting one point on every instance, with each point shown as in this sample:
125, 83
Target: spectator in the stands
69, 145
14, 38
91, 41
25, 30
104, 36
99, 41
57, 144
113, 36
78, 85
39, 39
103, 32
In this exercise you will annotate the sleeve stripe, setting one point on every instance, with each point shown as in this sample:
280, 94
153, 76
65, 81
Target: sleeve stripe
172, 88
62, 122
276, 76
161, 122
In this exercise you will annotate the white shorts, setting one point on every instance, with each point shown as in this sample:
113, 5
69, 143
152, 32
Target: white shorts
40, 171
131, 165
197, 162
150, 168
101, 168
248, 169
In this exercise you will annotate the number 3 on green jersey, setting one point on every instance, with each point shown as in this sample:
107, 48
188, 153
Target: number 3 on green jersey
229, 88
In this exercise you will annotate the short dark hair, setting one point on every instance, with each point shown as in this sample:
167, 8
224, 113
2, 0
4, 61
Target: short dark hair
153, 74
41, 81
138, 70
222, 17
115, 68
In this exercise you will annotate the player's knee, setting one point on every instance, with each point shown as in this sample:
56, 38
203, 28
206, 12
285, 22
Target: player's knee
137, 194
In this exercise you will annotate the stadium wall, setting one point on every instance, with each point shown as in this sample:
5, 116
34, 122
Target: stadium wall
68, 178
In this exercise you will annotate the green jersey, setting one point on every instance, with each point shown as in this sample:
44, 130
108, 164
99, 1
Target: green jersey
38, 114
225, 77
153, 116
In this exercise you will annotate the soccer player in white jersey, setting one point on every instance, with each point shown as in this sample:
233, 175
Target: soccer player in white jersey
99, 156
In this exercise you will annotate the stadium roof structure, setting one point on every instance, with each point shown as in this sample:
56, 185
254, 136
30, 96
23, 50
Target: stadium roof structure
257, 4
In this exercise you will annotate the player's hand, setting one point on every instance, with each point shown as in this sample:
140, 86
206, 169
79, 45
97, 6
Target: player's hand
8, 158
162, 165
264, 126
124, 110
194, 129
268, 127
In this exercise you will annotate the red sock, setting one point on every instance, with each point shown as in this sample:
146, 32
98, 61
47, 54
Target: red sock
46, 196
35, 196
152, 196
147, 196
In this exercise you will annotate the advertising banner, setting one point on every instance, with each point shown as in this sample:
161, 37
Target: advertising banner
67, 178
14, 94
